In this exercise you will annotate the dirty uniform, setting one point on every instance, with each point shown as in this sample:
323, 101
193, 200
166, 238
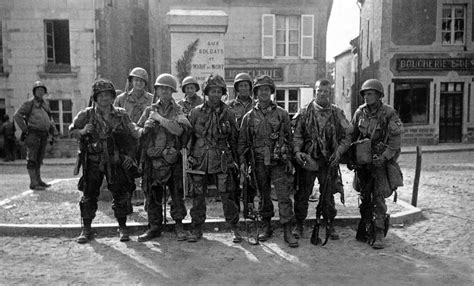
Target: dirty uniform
267, 132
9, 140
163, 162
33, 118
385, 128
105, 150
240, 108
189, 103
319, 132
133, 103
213, 147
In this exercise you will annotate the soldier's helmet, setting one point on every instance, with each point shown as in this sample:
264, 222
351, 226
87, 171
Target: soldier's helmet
262, 81
37, 84
189, 80
214, 81
242, 77
166, 79
100, 85
140, 73
371, 84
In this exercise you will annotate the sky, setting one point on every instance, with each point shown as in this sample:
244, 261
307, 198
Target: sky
343, 26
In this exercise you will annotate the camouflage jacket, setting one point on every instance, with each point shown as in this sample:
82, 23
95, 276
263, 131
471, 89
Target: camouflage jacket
187, 104
321, 131
267, 131
213, 143
133, 104
240, 108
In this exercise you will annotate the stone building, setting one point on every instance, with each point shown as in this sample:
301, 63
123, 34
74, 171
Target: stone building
423, 52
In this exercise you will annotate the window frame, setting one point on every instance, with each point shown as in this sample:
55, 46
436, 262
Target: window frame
2, 62
286, 102
452, 31
51, 62
63, 130
411, 82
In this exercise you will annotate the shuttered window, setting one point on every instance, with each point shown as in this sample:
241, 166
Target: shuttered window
268, 36
307, 36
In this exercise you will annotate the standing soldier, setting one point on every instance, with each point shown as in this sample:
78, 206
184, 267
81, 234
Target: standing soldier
105, 132
213, 151
9, 139
378, 128
191, 99
242, 104
164, 125
34, 120
322, 133
264, 141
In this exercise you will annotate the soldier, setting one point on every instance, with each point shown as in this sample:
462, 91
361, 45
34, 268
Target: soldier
135, 101
191, 99
264, 141
378, 128
9, 139
164, 125
322, 133
105, 132
35, 122
242, 104
213, 152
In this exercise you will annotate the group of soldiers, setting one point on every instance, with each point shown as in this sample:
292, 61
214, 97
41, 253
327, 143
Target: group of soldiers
249, 141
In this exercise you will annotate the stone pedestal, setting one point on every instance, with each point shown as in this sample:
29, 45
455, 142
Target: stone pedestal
197, 43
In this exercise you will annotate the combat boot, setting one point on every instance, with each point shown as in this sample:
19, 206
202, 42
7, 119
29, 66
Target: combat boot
288, 236
298, 231
40, 181
180, 233
195, 235
378, 243
332, 232
152, 232
34, 185
361, 234
86, 233
267, 230
123, 231
236, 234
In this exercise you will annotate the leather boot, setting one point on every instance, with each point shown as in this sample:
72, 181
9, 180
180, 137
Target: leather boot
288, 236
180, 233
150, 233
40, 182
267, 230
86, 233
378, 243
298, 231
361, 232
236, 234
332, 232
195, 234
34, 185
123, 231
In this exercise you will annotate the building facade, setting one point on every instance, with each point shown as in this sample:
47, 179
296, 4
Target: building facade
423, 52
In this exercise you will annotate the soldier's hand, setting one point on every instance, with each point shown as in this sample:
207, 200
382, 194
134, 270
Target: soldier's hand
127, 162
156, 116
335, 159
191, 161
243, 168
299, 156
289, 169
88, 129
149, 125
378, 161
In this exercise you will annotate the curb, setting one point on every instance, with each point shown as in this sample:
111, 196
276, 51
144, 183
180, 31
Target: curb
72, 230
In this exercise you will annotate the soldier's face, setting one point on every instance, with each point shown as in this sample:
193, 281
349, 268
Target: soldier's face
138, 83
371, 96
164, 92
189, 89
40, 92
244, 89
214, 96
264, 93
322, 93
105, 98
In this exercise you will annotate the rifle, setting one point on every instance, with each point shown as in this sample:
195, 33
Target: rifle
322, 210
253, 212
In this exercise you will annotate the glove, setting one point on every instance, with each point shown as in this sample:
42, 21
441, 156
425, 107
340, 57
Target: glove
378, 161
299, 156
335, 158
149, 125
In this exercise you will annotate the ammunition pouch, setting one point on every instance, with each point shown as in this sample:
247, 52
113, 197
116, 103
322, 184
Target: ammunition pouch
170, 155
363, 151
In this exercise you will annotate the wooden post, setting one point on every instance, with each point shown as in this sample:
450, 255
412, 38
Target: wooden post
416, 182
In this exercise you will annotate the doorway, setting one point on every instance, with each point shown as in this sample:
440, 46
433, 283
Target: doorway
450, 113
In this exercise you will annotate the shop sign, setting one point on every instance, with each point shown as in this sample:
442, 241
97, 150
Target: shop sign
275, 73
435, 64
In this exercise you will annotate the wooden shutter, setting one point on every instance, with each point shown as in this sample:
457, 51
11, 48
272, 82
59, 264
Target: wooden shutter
268, 36
307, 36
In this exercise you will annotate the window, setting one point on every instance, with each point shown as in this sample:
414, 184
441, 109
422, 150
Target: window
57, 46
61, 111
287, 36
3, 110
288, 99
411, 102
453, 24
1, 48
